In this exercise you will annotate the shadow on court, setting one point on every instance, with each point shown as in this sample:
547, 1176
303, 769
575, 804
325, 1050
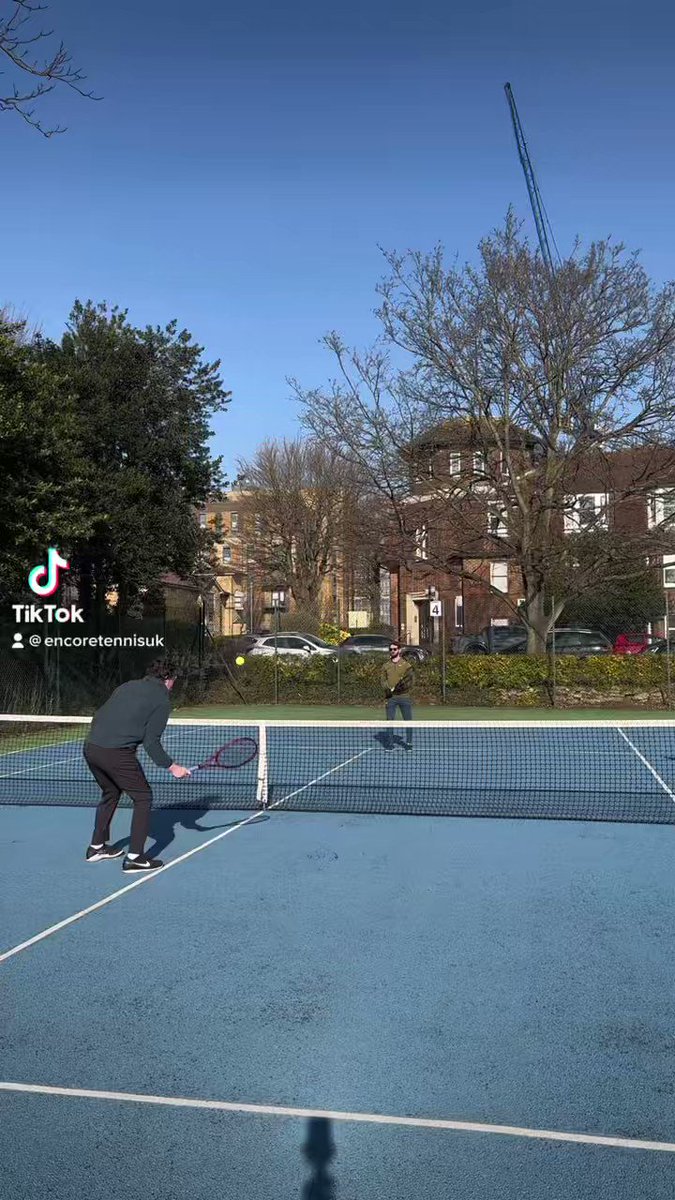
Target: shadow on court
165, 823
319, 1149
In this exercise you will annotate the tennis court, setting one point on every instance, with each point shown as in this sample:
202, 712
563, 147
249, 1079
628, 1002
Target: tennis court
343, 984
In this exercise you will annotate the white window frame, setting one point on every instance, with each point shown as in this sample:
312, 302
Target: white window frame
656, 508
572, 519
226, 554
495, 511
422, 542
202, 520
234, 522
479, 462
459, 612
455, 464
498, 577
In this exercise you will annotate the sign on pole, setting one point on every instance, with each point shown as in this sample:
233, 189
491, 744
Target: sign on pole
436, 607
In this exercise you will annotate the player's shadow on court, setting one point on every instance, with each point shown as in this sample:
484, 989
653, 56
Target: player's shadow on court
390, 741
319, 1149
165, 824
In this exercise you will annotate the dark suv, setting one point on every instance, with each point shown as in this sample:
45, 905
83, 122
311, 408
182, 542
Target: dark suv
512, 639
376, 643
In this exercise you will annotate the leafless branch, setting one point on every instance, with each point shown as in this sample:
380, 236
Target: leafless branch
17, 41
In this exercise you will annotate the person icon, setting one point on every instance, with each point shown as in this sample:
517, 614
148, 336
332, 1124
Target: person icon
17, 644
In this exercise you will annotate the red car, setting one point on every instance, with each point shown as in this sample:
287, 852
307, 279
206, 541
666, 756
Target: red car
631, 643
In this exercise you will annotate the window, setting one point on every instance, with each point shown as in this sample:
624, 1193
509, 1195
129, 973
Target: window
202, 520
586, 513
227, 554
499, 576
480, 463
218, 525
459, 612
661, 508
234, 522
502, 464
496, 521
455, 463
422, 542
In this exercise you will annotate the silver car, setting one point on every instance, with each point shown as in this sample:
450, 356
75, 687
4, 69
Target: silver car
296, 644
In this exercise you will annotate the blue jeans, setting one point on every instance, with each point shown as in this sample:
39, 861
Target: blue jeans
403, 703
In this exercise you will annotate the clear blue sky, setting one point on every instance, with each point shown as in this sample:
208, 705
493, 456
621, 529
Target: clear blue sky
247, 160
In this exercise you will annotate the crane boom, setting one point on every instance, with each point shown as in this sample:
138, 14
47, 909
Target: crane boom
538, 211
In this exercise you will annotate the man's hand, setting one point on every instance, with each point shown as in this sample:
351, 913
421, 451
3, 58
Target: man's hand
179, 772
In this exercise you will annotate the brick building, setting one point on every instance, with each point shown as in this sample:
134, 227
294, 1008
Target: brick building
245, 594
458, 549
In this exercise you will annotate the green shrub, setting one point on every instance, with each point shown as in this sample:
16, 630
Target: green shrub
481, 680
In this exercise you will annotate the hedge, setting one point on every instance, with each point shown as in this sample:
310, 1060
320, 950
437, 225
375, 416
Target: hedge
479, 679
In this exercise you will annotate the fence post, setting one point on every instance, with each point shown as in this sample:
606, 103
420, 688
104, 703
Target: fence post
668, 662
554, 677
338, 624
443, 682
277, 610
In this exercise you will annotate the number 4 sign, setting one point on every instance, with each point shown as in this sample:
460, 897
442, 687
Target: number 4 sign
436, 608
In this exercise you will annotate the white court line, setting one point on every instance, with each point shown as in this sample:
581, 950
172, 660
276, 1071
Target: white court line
41, 767
84, 912
368, 750
362, 1118
648, 765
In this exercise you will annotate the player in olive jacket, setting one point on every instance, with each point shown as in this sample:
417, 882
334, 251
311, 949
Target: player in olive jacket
397, 681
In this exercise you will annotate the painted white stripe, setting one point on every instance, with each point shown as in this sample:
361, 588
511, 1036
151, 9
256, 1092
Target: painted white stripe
43, 766
589, 723
363, 1118
318, 779
648, 765
85, 912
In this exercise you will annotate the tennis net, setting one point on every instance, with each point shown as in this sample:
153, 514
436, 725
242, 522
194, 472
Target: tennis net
570, 770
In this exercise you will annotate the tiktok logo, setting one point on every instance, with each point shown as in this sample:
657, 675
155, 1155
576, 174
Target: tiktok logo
44, 580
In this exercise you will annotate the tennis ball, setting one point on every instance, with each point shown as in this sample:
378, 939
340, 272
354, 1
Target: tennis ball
240, 660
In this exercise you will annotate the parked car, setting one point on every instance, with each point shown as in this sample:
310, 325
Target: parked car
377, 643
631, 643
512, 639
658, 646
494, 639
297, 644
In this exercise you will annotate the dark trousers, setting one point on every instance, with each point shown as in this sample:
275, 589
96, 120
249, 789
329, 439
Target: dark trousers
403, 703
117, 771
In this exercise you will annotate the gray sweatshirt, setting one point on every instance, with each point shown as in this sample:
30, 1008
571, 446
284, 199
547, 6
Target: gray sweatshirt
135, 714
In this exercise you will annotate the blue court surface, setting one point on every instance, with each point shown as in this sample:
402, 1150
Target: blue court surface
337, 1005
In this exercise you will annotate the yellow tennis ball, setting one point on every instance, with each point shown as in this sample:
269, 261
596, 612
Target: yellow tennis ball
240, 660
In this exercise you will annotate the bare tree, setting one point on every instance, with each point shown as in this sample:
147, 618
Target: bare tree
307, 507
32, 78
550, 389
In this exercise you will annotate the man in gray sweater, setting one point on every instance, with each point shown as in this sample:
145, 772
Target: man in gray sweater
136, 714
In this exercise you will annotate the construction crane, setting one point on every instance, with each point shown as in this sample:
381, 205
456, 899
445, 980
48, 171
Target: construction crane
545, 234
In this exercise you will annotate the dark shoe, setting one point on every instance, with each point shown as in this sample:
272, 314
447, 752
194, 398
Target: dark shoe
102, 853
142, 863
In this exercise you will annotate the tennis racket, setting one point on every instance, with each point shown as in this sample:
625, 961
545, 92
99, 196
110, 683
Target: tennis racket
229, 757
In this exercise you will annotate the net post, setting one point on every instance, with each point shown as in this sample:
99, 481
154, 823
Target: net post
262, 791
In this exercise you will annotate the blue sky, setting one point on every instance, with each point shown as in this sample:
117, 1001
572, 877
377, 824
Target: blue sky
246, 161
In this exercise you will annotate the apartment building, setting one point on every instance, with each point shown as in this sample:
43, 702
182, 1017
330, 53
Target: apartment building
455, 522
246, 596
